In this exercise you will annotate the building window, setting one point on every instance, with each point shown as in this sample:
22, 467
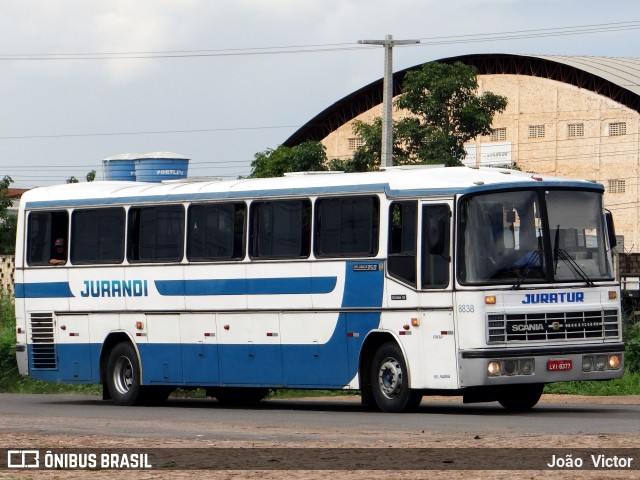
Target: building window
536, 131
498, 134
617, 128
355, 143
617, 186
576, 130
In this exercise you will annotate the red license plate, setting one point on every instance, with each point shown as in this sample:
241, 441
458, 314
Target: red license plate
559, 365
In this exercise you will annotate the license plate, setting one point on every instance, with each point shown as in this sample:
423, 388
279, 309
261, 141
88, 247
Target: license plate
559, 365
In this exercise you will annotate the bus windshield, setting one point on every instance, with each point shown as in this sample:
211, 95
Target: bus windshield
532, 236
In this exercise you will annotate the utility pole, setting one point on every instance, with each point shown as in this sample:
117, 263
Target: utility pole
387, 95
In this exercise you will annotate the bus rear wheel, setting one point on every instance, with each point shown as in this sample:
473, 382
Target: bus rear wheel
123, 375
390, 381
520, 398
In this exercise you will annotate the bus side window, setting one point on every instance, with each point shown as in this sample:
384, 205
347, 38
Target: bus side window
156, 234
216, 231
280, 229
97, 236
436, 256
403, 221
347, 227
43, 229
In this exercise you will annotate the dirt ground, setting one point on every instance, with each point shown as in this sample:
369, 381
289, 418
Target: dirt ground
493, 443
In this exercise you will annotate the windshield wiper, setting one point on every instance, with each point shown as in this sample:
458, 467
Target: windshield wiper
577, 269
533, 259
559, 253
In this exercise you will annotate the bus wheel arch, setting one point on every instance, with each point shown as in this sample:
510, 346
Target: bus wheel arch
384, 375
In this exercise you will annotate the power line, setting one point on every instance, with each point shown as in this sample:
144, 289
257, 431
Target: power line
331, 47
149, 132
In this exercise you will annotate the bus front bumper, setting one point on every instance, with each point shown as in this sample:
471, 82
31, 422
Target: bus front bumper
558, 363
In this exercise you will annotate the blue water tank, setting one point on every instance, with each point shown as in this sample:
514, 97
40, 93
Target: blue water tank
159, 166
120, 167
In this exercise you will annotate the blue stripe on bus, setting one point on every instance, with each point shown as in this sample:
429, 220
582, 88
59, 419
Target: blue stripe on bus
43, 290
253, 286
250, 286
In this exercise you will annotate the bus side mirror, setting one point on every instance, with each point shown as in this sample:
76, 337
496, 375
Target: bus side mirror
611, 229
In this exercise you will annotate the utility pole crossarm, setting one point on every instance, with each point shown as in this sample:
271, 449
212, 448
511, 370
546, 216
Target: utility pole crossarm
387, 95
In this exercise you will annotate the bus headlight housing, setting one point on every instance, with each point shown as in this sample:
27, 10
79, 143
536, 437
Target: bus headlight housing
510, 367
601, 362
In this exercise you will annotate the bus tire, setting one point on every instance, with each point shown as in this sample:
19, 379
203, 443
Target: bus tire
520, 398
390, 381
123, 375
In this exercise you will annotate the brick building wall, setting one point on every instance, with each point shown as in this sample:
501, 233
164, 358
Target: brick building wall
7, 269
550, 127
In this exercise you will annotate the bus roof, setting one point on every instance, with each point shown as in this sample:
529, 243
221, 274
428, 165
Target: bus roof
404, 181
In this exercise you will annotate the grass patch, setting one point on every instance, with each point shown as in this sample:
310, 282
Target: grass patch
629, 384
288, 393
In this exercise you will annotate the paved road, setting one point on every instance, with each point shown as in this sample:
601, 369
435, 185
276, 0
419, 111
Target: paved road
299, 420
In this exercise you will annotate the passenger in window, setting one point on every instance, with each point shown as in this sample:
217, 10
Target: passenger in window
59, 256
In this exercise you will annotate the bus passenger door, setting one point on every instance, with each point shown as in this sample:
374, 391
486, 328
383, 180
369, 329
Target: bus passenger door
439, 362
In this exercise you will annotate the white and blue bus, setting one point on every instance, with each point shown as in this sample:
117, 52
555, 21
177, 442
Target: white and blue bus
487, 283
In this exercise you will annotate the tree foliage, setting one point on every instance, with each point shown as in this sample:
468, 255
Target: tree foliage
444, 111
8, 221
90, 177
306, 157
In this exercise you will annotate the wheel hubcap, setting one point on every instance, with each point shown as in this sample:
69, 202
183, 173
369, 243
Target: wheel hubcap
123, 375
390, 378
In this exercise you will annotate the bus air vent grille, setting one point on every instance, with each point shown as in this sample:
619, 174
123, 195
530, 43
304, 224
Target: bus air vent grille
43, 347
531, 327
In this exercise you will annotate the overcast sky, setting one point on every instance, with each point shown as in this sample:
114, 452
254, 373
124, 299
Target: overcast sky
219, 81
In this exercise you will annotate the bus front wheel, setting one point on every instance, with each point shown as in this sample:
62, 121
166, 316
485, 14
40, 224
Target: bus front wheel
390, 381
123, 375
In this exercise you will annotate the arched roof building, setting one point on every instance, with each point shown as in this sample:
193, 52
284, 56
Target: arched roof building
567, 115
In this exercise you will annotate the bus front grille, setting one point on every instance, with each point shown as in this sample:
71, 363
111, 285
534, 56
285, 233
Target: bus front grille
530, 327
43, 347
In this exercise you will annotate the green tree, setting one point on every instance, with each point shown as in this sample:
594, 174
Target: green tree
91, 176
444, 111
72, 179
305, 157
8, 221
